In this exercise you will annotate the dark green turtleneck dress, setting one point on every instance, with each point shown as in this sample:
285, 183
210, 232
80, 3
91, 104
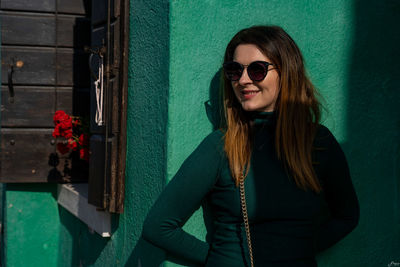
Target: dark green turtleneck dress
288, 225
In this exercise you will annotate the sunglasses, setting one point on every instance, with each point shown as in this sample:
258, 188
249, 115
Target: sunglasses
256, 70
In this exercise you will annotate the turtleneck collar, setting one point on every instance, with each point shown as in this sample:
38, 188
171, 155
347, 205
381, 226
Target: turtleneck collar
262, 118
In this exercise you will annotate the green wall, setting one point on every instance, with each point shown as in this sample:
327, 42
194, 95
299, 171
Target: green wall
349, 48
373, 129
30, 225
176, 50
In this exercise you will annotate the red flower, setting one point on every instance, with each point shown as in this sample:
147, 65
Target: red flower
72, 144
60, 116
68, 128
57, 116
76, 122
63, 148
63, 125
84, 139
84, 154
67, 133
56, 132
66, 124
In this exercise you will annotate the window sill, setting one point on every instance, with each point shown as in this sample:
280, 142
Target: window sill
74, 198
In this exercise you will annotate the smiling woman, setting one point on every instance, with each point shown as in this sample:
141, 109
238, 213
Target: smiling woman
254, 94
256, 175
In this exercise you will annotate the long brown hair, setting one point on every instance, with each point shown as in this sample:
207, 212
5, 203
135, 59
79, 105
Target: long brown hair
297, 108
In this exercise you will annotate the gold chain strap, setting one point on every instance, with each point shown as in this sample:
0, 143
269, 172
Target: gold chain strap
246, 218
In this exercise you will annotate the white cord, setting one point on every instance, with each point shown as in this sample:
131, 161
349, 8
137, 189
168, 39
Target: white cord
99, 84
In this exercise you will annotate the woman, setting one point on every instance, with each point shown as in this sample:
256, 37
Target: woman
265, 178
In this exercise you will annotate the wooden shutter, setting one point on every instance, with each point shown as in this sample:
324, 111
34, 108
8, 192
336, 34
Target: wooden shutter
108, 142
45, 68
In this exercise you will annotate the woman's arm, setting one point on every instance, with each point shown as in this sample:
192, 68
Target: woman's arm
181, 198
339, 194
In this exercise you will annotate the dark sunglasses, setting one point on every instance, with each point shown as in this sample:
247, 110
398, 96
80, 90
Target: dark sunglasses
256, 70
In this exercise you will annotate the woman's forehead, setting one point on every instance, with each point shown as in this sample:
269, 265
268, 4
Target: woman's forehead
247, 53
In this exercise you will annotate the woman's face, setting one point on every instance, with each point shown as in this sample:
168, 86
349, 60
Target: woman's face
253, 95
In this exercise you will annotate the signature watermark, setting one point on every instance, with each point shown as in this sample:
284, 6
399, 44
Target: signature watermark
393, 263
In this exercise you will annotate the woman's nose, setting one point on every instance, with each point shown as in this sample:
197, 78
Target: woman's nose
245, 79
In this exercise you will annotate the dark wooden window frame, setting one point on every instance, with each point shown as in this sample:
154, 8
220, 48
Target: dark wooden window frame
110, 141
106, 188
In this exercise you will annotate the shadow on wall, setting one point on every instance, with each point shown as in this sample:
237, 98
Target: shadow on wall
146, 254
373, 133
214, 106
84, 248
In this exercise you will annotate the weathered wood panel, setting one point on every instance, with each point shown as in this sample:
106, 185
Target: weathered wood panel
110, 180
116, 57
97, 166
72, 68
115, 106
73, 101
100, 14
74, 6
35, 106
99, 39
39, 29
32, 106
117, 204
26, 155
29, 155
31, 5
39, 66
65, 99
23, 29
64, 6
73, 31
99, 36
49, 76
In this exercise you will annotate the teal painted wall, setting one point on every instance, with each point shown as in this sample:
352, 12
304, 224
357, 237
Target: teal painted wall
349, 48
176, 49
373, 129
31, 225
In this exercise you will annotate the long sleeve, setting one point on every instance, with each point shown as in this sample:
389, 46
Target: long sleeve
181, 198
339, 194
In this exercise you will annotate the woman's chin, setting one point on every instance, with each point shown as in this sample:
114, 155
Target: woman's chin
247, 107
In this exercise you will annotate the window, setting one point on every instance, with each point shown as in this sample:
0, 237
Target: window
45, 68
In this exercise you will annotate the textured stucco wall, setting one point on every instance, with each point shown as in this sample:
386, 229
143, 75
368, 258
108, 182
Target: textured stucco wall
176, 50
349, 48
373, 130
31, 225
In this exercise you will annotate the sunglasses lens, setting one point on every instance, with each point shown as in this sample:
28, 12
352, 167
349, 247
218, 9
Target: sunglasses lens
257, 71
233, 71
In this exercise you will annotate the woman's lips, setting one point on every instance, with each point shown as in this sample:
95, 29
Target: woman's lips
247, 94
